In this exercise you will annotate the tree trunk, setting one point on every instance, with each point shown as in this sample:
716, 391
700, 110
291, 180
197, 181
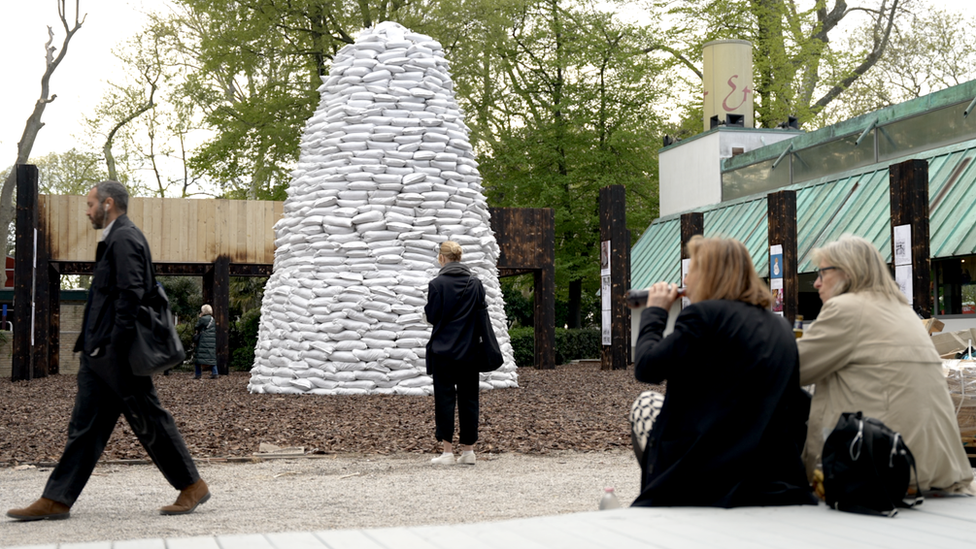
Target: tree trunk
575, 304
34, 124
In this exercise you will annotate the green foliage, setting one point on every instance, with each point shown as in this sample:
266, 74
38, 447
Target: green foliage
935, 51
565, 106
243, 339
70, 173
520, 303
185, 295
523, 346
256, 68
800, 62
186, 330
570, 345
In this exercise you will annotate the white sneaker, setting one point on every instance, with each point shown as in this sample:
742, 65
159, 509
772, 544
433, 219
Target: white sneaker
444, 459
466, 458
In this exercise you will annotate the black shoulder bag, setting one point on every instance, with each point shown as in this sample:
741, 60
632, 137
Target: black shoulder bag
486, 355
155, 346
867, 468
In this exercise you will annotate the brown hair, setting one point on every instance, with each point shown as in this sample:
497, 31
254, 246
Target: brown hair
451, 250
725, 271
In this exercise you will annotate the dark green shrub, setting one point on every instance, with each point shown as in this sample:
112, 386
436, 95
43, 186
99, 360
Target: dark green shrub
577, 344
243, 338
185, 295
523, 344
570, 345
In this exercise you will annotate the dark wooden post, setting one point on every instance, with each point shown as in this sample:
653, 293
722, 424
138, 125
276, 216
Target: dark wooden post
909, 187
42, 307
781, 223
613, 227
221, 309
627, 312
54, 311
24, 272
544, 312
208, 285
692, 224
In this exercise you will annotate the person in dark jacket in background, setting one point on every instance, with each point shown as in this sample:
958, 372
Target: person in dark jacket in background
452, 299
205, 352
731, 429
106, 386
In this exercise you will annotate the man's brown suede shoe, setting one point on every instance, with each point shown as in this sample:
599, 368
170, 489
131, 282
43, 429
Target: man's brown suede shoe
189, 498
42, 509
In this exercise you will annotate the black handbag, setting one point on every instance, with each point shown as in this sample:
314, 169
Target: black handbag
867, 468
155, 346
487, 354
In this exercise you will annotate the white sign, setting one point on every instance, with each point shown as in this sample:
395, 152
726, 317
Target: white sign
605, 293
605, 258
903, 245
903, 276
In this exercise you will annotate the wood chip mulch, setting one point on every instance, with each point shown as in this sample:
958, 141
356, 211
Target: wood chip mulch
574, 407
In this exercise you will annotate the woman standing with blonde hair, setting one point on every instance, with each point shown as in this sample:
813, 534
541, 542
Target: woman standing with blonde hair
732, 425
453, 299
868, 352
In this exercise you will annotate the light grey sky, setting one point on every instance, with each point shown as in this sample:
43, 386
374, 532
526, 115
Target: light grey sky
81, 78
78, 81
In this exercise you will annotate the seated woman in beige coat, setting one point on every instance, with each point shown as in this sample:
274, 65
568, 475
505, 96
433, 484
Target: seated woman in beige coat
867, 351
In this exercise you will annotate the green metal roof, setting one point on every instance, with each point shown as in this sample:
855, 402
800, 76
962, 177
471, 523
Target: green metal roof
657, 255
745, 221
952, 203
856, 203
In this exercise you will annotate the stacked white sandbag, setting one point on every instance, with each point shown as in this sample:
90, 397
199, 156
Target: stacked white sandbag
386, 173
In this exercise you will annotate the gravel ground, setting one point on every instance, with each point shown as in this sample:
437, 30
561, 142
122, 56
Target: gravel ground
338, 491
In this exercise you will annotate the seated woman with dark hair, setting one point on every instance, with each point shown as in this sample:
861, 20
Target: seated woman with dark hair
731, 428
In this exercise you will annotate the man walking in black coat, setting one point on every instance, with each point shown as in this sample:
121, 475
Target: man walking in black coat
106, 385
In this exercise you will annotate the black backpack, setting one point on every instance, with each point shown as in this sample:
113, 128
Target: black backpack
867, 468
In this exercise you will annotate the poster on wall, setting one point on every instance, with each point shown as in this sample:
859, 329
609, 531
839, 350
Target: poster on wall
776, 262
903, 276
903, 245
776, 287
605, 292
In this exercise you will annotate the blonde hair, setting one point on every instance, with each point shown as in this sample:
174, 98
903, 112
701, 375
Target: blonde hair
206, 310
451, 250
725, 271
863, 266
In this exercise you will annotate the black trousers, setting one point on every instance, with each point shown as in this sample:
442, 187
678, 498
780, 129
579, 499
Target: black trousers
97, 409
455, 383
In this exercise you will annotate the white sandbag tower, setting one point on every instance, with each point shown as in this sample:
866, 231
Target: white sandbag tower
386, 173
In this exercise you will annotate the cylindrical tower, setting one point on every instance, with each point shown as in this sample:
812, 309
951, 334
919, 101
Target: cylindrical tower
728, 83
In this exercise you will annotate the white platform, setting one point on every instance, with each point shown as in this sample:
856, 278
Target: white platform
943, 523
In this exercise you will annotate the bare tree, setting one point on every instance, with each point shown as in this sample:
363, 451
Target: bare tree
34, 124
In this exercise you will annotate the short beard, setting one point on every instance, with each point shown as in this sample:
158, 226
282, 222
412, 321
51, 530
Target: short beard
98, 221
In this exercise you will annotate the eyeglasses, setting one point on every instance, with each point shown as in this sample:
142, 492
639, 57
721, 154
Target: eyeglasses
821, 270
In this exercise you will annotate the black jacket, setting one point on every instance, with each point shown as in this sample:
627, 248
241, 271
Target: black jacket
733, 422
123, 274
452, 299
